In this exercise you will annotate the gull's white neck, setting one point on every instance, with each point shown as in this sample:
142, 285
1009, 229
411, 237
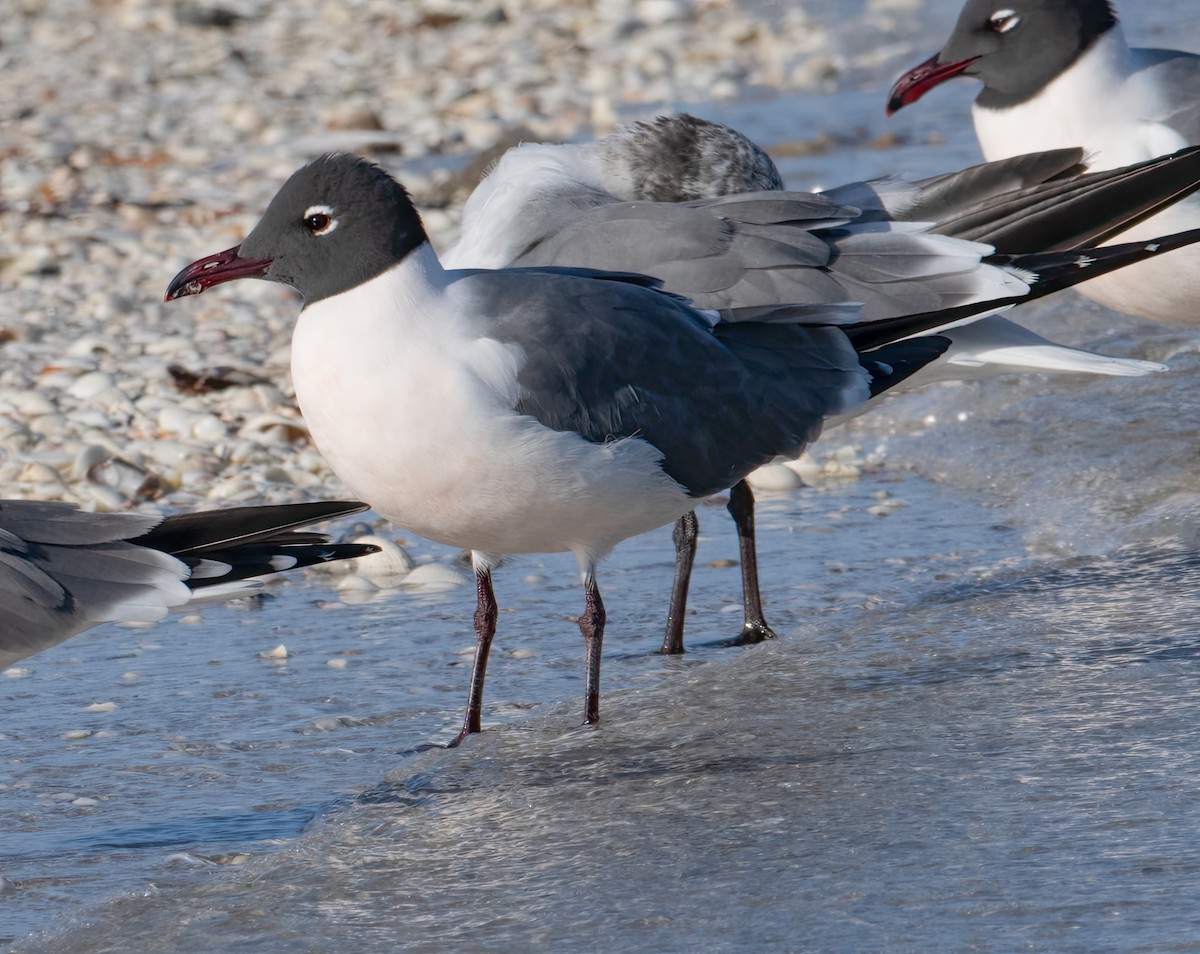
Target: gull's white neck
1093, 104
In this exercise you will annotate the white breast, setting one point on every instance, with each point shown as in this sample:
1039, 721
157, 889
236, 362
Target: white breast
414, 411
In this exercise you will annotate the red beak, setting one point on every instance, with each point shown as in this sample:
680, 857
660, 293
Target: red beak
223, 267
921, 79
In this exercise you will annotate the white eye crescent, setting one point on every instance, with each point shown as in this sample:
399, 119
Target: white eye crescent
1003, 20
319, 220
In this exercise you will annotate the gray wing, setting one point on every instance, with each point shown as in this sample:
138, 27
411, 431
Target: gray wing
609, 360
769, 247
63, 570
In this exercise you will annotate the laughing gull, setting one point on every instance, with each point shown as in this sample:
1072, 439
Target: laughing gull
1059, 73
533, 410
63, 570
700, 206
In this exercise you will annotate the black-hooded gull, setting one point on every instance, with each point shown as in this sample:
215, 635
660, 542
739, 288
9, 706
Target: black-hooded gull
531, 410
1059, 73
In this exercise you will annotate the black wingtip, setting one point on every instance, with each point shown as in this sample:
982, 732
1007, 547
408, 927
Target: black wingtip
206, 530
244, 561
1067, 211
893, 363
1050, 272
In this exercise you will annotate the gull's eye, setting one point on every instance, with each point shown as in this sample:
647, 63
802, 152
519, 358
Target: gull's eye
1003, 20
319, 220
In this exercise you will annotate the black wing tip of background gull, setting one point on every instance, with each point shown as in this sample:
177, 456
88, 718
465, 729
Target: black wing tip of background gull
1050, 271
1077, 210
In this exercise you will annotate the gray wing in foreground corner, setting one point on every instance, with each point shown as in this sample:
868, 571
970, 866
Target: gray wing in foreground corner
63, 570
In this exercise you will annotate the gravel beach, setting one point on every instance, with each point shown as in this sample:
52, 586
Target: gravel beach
145, 134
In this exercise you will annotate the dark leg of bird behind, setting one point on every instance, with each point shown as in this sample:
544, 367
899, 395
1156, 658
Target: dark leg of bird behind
687, 528
486, 613
591, 624
741, 507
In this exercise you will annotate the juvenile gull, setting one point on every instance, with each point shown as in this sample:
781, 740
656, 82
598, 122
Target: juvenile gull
63, 570
530, 410
1059, 73
700, 206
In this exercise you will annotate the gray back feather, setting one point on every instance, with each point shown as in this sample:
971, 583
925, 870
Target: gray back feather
615, 360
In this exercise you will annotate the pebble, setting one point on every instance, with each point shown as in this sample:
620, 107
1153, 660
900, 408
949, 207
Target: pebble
773, 477
353, 583
87, 386
391, 562
435, 576
279, 652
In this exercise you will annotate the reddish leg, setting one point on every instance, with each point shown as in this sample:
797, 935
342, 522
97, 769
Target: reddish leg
486, 613
687, 528
591, 624
741, 507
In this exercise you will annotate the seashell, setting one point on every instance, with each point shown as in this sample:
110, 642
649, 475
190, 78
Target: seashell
233, 488
352, 583
88, 346
14, 435
807, 469
175, 420
436, 576
279, 652
274, 428
126, 478
392, 560
210, 429
104, 499
837, 470
86, 459
169, 453
30, 403
87, 386
773, 477
42, 475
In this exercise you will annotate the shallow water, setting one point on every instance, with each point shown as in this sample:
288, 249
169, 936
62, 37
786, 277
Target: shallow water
977, 733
